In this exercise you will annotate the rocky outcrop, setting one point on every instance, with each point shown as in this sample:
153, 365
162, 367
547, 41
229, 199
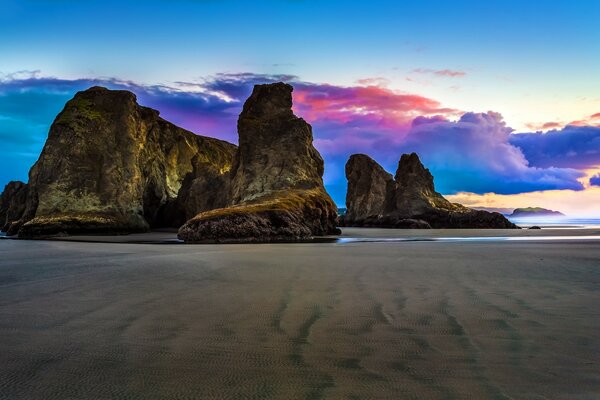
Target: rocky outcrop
293, 215
275, 147
276, 190
112, 166
12, 204
410, 199
369, 187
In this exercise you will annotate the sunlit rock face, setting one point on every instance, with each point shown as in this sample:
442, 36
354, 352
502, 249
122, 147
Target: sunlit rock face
110, 165
408, 200
275, 147
276, 187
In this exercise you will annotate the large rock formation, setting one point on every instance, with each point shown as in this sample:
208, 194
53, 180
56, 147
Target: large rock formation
275, 147
12, 204
408, 200
368, 188
276, 188
110, 165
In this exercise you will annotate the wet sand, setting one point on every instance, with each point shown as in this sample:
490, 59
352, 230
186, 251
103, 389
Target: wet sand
361, 320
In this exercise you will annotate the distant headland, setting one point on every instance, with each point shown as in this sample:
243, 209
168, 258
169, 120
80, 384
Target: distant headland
535, 212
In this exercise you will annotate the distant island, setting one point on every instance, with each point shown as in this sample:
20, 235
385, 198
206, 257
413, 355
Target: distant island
535, 212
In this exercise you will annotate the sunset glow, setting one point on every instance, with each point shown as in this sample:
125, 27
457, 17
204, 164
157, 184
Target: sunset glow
513, 125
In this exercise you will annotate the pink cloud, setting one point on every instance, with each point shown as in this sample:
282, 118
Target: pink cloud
367, 103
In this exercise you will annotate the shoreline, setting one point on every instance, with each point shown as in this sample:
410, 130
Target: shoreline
360, 234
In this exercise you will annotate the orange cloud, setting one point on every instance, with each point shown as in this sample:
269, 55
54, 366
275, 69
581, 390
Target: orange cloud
544, 126
573, 203
592, 120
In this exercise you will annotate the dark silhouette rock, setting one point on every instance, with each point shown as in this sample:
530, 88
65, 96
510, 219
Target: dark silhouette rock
276, 187
410, 199
415, 193
369, 185
534, 227
410, 223
12, 204
112, 166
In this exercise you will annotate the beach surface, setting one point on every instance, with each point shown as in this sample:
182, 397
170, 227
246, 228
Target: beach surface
380, 314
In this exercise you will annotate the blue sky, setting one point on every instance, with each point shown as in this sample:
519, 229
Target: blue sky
536, 63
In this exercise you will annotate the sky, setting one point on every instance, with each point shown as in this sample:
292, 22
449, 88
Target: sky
501, 99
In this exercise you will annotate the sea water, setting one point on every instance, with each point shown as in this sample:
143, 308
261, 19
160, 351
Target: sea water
557, 222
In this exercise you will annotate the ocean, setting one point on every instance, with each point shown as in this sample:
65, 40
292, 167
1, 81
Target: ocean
557, 222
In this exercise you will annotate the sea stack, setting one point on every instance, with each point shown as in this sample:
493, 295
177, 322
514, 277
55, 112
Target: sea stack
112, 166
369, 187
408, 200
12, 204
276, 188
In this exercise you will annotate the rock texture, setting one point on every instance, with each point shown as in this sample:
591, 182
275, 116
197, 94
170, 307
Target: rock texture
408, 200
293, 215
369, 186
12, 204
276, 188
110, 165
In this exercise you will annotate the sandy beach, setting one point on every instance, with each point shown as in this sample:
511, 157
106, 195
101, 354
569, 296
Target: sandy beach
350, 319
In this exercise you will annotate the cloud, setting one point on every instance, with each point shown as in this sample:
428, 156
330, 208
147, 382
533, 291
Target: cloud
448, 73
346, 119
543, 126
571, 146
379, 81
573, 203
592, 120
595, 180
475, 154
23, 74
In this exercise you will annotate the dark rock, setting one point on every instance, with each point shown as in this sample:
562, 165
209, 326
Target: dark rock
414, 193
275, 147
409, 197
276, 188
368, 187
534, 227
110, 165
412, 224
293, 215
12, 204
